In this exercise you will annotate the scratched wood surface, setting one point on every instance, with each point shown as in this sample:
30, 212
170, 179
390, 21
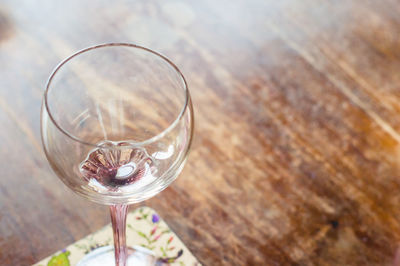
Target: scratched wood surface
296, 156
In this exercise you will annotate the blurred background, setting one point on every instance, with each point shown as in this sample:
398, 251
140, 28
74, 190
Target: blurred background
295, 155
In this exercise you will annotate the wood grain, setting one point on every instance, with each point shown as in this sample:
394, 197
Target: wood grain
296, 152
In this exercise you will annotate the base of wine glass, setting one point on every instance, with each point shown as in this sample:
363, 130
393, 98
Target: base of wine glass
104, 256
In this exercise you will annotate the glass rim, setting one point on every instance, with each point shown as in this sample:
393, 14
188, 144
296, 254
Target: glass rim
121, 44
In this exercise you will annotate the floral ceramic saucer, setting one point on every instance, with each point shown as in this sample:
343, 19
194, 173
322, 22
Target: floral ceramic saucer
144, 229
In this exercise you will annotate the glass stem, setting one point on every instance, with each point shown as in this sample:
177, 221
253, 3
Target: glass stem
118, 220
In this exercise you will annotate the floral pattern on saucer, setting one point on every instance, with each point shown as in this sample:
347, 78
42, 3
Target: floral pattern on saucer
144, 228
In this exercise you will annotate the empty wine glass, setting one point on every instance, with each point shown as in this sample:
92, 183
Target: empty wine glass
117, 124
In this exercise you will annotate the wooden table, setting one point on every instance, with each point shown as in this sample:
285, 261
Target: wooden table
296, 156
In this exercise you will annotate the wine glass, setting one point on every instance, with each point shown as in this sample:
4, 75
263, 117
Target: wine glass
116, 126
